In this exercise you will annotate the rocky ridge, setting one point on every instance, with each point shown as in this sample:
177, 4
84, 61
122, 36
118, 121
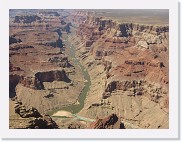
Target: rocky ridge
29, 118
127, 63
133, 70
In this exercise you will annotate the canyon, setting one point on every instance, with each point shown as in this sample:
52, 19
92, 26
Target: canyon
78, 70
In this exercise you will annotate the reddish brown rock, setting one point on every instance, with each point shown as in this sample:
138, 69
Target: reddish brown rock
110, 122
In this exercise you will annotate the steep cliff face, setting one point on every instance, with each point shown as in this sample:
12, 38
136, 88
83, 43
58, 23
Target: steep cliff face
37, 81
137, 88
124, 43
134, 81
50, 76
13, 81
24, 117
42, 86
41, 74
152, 37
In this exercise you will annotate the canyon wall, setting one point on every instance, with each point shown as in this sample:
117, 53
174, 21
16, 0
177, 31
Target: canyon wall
128, 64
40, 73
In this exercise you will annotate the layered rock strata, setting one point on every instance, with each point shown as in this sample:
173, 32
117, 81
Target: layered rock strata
128, 65
23, 117
41, 74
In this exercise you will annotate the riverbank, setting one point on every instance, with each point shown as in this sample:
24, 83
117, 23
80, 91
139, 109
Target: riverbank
97, 77
96, 84
79, 102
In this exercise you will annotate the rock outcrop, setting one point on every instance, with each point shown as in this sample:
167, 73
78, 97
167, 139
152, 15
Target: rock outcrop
14, 40
13, 81
26, 112
27, 19
130, 34
36, 82
60, 61
32, 82
110, 122
44, 122
20, 46
50, 76
29, 118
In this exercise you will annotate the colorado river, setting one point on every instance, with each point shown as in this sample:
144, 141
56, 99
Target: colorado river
75, 108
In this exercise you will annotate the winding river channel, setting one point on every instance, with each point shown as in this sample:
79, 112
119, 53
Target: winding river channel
75, 108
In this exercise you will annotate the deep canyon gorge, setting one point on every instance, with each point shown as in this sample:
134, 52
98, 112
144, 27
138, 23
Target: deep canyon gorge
88, 69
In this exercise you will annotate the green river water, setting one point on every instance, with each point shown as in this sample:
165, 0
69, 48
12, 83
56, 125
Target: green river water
75, 108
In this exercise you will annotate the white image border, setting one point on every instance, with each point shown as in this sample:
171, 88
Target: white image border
171, 133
